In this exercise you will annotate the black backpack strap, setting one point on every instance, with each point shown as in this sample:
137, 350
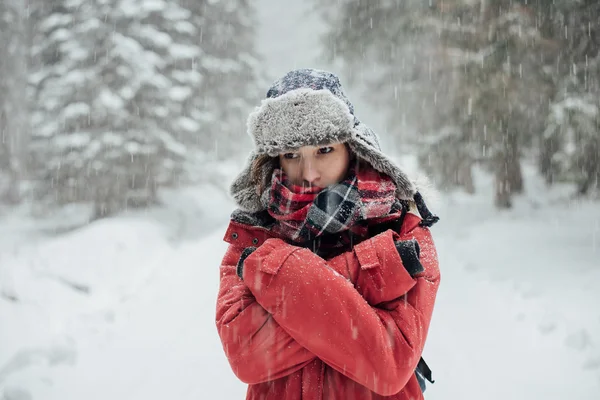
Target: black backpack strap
427, 218
423, 369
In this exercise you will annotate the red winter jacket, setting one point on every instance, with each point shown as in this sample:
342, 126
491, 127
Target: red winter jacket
302, 327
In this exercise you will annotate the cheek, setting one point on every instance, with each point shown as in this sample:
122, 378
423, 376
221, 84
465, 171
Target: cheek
290, 168
342, 170
339, 168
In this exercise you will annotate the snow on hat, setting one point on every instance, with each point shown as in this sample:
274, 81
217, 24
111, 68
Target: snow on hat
308, 107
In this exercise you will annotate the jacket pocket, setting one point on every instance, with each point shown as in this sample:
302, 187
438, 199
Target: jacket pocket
369, 264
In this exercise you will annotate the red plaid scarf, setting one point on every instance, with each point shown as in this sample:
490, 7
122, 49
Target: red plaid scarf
306, 213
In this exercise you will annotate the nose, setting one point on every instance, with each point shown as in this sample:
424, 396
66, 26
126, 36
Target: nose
310, 174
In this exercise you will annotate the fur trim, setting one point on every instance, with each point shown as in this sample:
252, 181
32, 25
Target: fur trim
301, 117
405, 189
243, 191
309, 117
261, 219
427, 189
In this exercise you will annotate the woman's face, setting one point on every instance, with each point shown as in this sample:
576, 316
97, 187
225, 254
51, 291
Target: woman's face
316, 166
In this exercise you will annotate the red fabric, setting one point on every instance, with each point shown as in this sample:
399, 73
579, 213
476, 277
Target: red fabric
289, 204
302, 327
377, 192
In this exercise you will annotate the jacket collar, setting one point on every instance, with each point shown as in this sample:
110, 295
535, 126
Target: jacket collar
252, 229
243, 235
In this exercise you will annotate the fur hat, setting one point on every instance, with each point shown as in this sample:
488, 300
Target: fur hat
308, 107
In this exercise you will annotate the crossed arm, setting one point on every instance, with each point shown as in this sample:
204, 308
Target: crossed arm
361, 312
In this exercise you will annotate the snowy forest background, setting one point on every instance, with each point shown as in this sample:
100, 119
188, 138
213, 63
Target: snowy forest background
108, 101
123, 122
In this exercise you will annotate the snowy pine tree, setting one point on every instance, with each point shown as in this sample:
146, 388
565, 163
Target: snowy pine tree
466, 78
231, 81
570, 147
14, 126
127, 93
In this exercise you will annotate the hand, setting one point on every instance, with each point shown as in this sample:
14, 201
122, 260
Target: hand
240, 265
335, 209
410, 253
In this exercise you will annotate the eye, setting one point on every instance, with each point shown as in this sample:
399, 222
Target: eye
325, 150
290, 156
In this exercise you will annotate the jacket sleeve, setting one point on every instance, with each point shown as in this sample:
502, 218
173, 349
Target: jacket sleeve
375, 270
257, 348
375, 340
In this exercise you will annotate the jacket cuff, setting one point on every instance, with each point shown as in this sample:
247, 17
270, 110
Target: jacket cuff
240, 265
381, 276
410, 253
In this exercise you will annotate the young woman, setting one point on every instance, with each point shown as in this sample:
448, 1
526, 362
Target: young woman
329, 282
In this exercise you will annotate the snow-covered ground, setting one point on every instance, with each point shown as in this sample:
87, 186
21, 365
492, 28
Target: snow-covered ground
121, 309
124, 308
517, 313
